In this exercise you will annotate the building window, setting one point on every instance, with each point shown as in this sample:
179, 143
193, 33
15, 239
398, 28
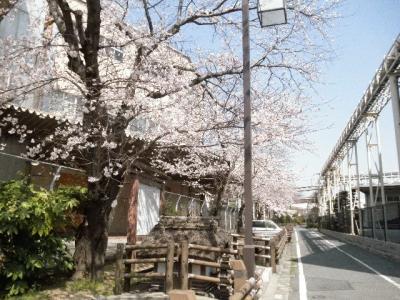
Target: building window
118, 54
110, 50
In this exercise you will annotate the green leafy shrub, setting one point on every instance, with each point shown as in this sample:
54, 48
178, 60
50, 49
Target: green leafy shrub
30, 247
299, 219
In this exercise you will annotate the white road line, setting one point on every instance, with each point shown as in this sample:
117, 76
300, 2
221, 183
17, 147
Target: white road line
302, 279
365, 265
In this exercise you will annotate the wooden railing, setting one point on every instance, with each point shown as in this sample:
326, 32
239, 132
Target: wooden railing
247, 291
289, 232
216, 272
261, 246
124, 271
268, 250
277, 245
184, 257
180, 257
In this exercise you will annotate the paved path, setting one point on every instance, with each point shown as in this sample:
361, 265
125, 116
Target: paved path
279, 286
330, 269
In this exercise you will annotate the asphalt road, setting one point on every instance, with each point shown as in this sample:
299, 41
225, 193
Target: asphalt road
330, 269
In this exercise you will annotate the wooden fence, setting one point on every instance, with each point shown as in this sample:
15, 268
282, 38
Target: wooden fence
267, 250
246, 291
178, 262
180, 257
262, 247
289, 232
277, 245
125, 267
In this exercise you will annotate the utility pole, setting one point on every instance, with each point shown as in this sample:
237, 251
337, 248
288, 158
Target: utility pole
248, 250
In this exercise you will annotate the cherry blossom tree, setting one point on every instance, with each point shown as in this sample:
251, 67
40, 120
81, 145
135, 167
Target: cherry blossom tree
5, 7
161, 77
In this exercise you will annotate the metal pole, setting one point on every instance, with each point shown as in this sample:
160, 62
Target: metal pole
394, 90
337, 174
358, 187
350, 192
383, 196
248, 249
371, 189
333, 189
55, 178
330, 195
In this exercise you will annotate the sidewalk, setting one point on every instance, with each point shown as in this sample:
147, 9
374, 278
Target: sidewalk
279, 286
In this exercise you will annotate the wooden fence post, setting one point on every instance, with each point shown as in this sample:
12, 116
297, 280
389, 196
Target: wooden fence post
235, 245
169, 268
128, 267
184, 265
266, 252
272, 244
119, 269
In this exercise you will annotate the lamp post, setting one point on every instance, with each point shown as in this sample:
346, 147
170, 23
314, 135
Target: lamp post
270, 13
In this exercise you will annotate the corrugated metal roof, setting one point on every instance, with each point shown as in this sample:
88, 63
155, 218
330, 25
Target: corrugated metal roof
40, 123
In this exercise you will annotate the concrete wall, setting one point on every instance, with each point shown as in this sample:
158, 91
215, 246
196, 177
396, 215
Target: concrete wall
387, 249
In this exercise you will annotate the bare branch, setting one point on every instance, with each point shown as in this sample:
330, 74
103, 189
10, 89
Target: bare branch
148, 17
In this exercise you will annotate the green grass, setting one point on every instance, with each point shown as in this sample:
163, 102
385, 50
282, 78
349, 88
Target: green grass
64, 286
94, 287
32, 295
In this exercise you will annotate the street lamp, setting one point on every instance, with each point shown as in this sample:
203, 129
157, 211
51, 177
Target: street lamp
270, 12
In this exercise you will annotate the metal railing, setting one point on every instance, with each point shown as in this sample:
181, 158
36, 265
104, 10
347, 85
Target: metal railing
389, 178
373, 101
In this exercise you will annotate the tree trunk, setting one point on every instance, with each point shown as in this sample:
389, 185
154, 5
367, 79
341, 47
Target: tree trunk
92, 235
240, 219
91, 242
220, 187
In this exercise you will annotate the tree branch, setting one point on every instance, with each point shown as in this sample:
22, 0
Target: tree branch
148, 17
61, 13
